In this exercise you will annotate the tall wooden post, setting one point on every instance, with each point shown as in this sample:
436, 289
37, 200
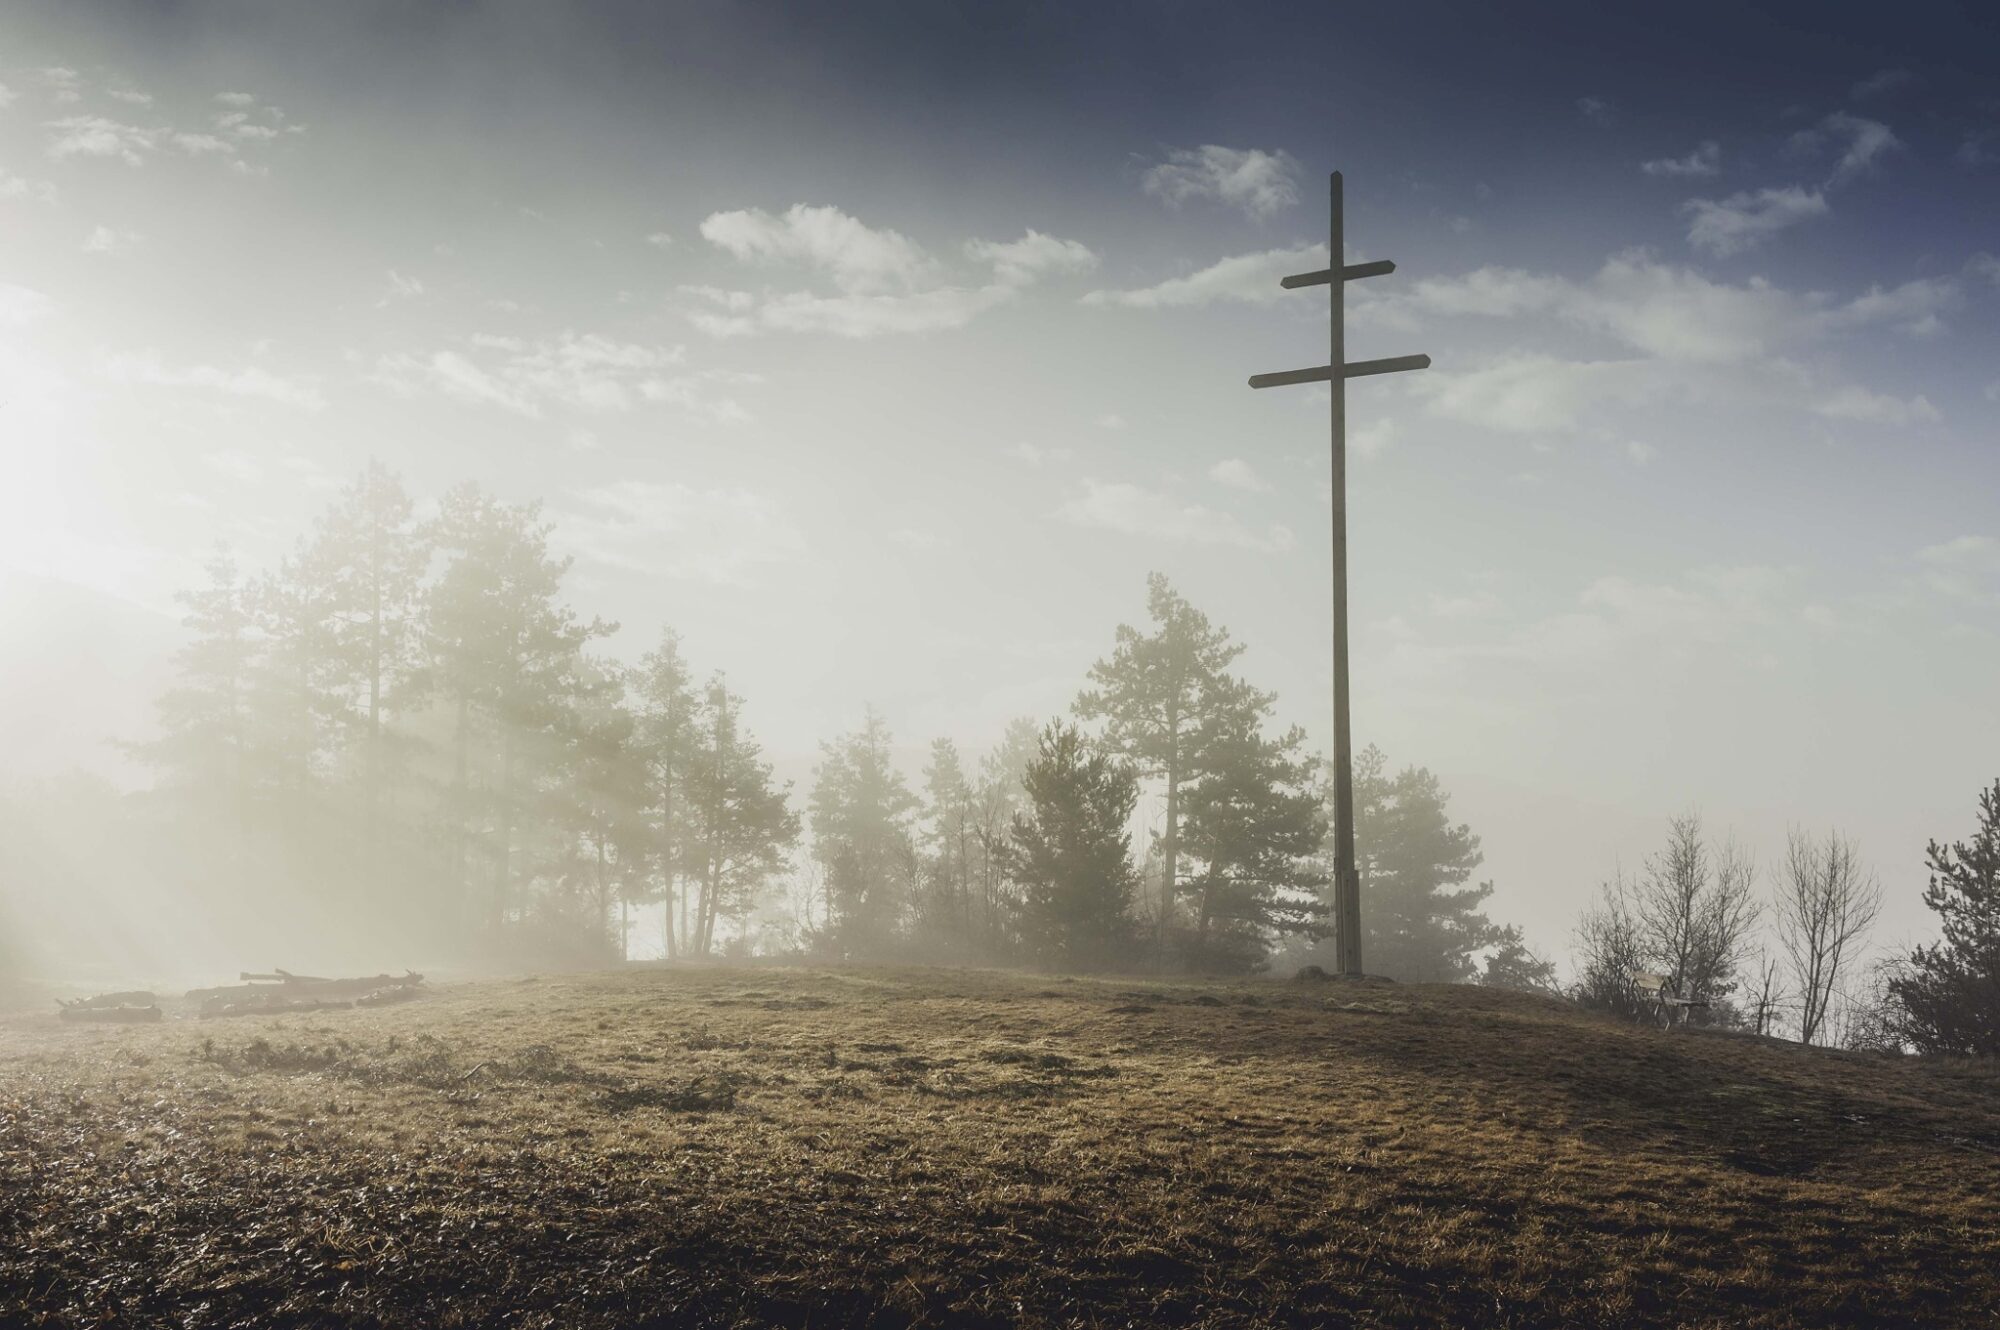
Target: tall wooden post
1335, 374
1346, 876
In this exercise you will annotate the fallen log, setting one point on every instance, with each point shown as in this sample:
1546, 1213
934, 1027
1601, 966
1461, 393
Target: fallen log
137, 997
274, 1005
118, 1015
384, 997
284, 983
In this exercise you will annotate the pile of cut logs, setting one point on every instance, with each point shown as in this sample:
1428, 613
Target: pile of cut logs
130, 1008
281, 991
258, 995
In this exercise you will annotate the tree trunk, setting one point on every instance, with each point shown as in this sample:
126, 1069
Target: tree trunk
460, 799
1172, 855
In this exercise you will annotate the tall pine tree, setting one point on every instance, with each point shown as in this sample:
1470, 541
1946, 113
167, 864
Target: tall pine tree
861, 813
1254, 827
1152, 695
1948, 994
1070, 853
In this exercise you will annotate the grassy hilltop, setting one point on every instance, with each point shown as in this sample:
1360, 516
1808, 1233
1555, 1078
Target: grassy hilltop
889, 1147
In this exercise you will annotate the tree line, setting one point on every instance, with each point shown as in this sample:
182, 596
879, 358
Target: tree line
402, 726
1797, 960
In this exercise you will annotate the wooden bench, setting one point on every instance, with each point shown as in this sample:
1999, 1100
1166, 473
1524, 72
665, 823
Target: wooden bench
1656, 990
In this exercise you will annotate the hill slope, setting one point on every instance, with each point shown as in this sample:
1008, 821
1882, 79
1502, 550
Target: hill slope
716, 1146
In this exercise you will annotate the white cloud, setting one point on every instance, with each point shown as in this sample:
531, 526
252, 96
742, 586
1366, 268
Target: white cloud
100, 136
1866, 141
885, 283
1964, 568
737, 301
1135, 511
859, 316
64, 84
1640, 454
1032, 257
1597, 111
132, 96
1960, 549
1744, 220
1660, 309
721, 536
1706, 159
109, 240
581, 372
1913, 307
1245, 279
1257, 182
1035, 456
96, 136
235, 99
1613, 619
1111, 420
1881, 81
722, 325
147, 369
1859, 404
1694, 337
1372, 439
741, 313
1697, 339
858, 258
20, 187
1477, 604
20, 306
7, 96
400, 288
1537, 394
199, 145
659, 239
1238, 474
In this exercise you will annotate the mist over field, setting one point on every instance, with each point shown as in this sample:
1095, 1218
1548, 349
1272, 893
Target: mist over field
624, 601
1693, 511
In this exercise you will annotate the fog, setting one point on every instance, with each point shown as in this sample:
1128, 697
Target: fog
885, 389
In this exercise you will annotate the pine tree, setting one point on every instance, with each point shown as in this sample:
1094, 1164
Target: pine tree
204, 738
949, 839
1070, 853
505, 656
861, 812
999, 796
667, 737
1513, 964
1152, 695
599, 798
1421, 923
1947, 995
743, 827
368, 560
1254, 825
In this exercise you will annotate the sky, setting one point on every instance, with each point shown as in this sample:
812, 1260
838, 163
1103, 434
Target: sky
881, 350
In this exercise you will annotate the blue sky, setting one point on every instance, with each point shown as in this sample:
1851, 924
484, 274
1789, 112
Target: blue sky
883, 349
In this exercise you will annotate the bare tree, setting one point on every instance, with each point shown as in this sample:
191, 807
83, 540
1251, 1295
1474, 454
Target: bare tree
1768, 997
1827, 901
1609, 953
1695, 912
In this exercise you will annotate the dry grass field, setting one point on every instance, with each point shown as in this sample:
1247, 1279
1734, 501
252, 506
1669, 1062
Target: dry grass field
895, 1147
